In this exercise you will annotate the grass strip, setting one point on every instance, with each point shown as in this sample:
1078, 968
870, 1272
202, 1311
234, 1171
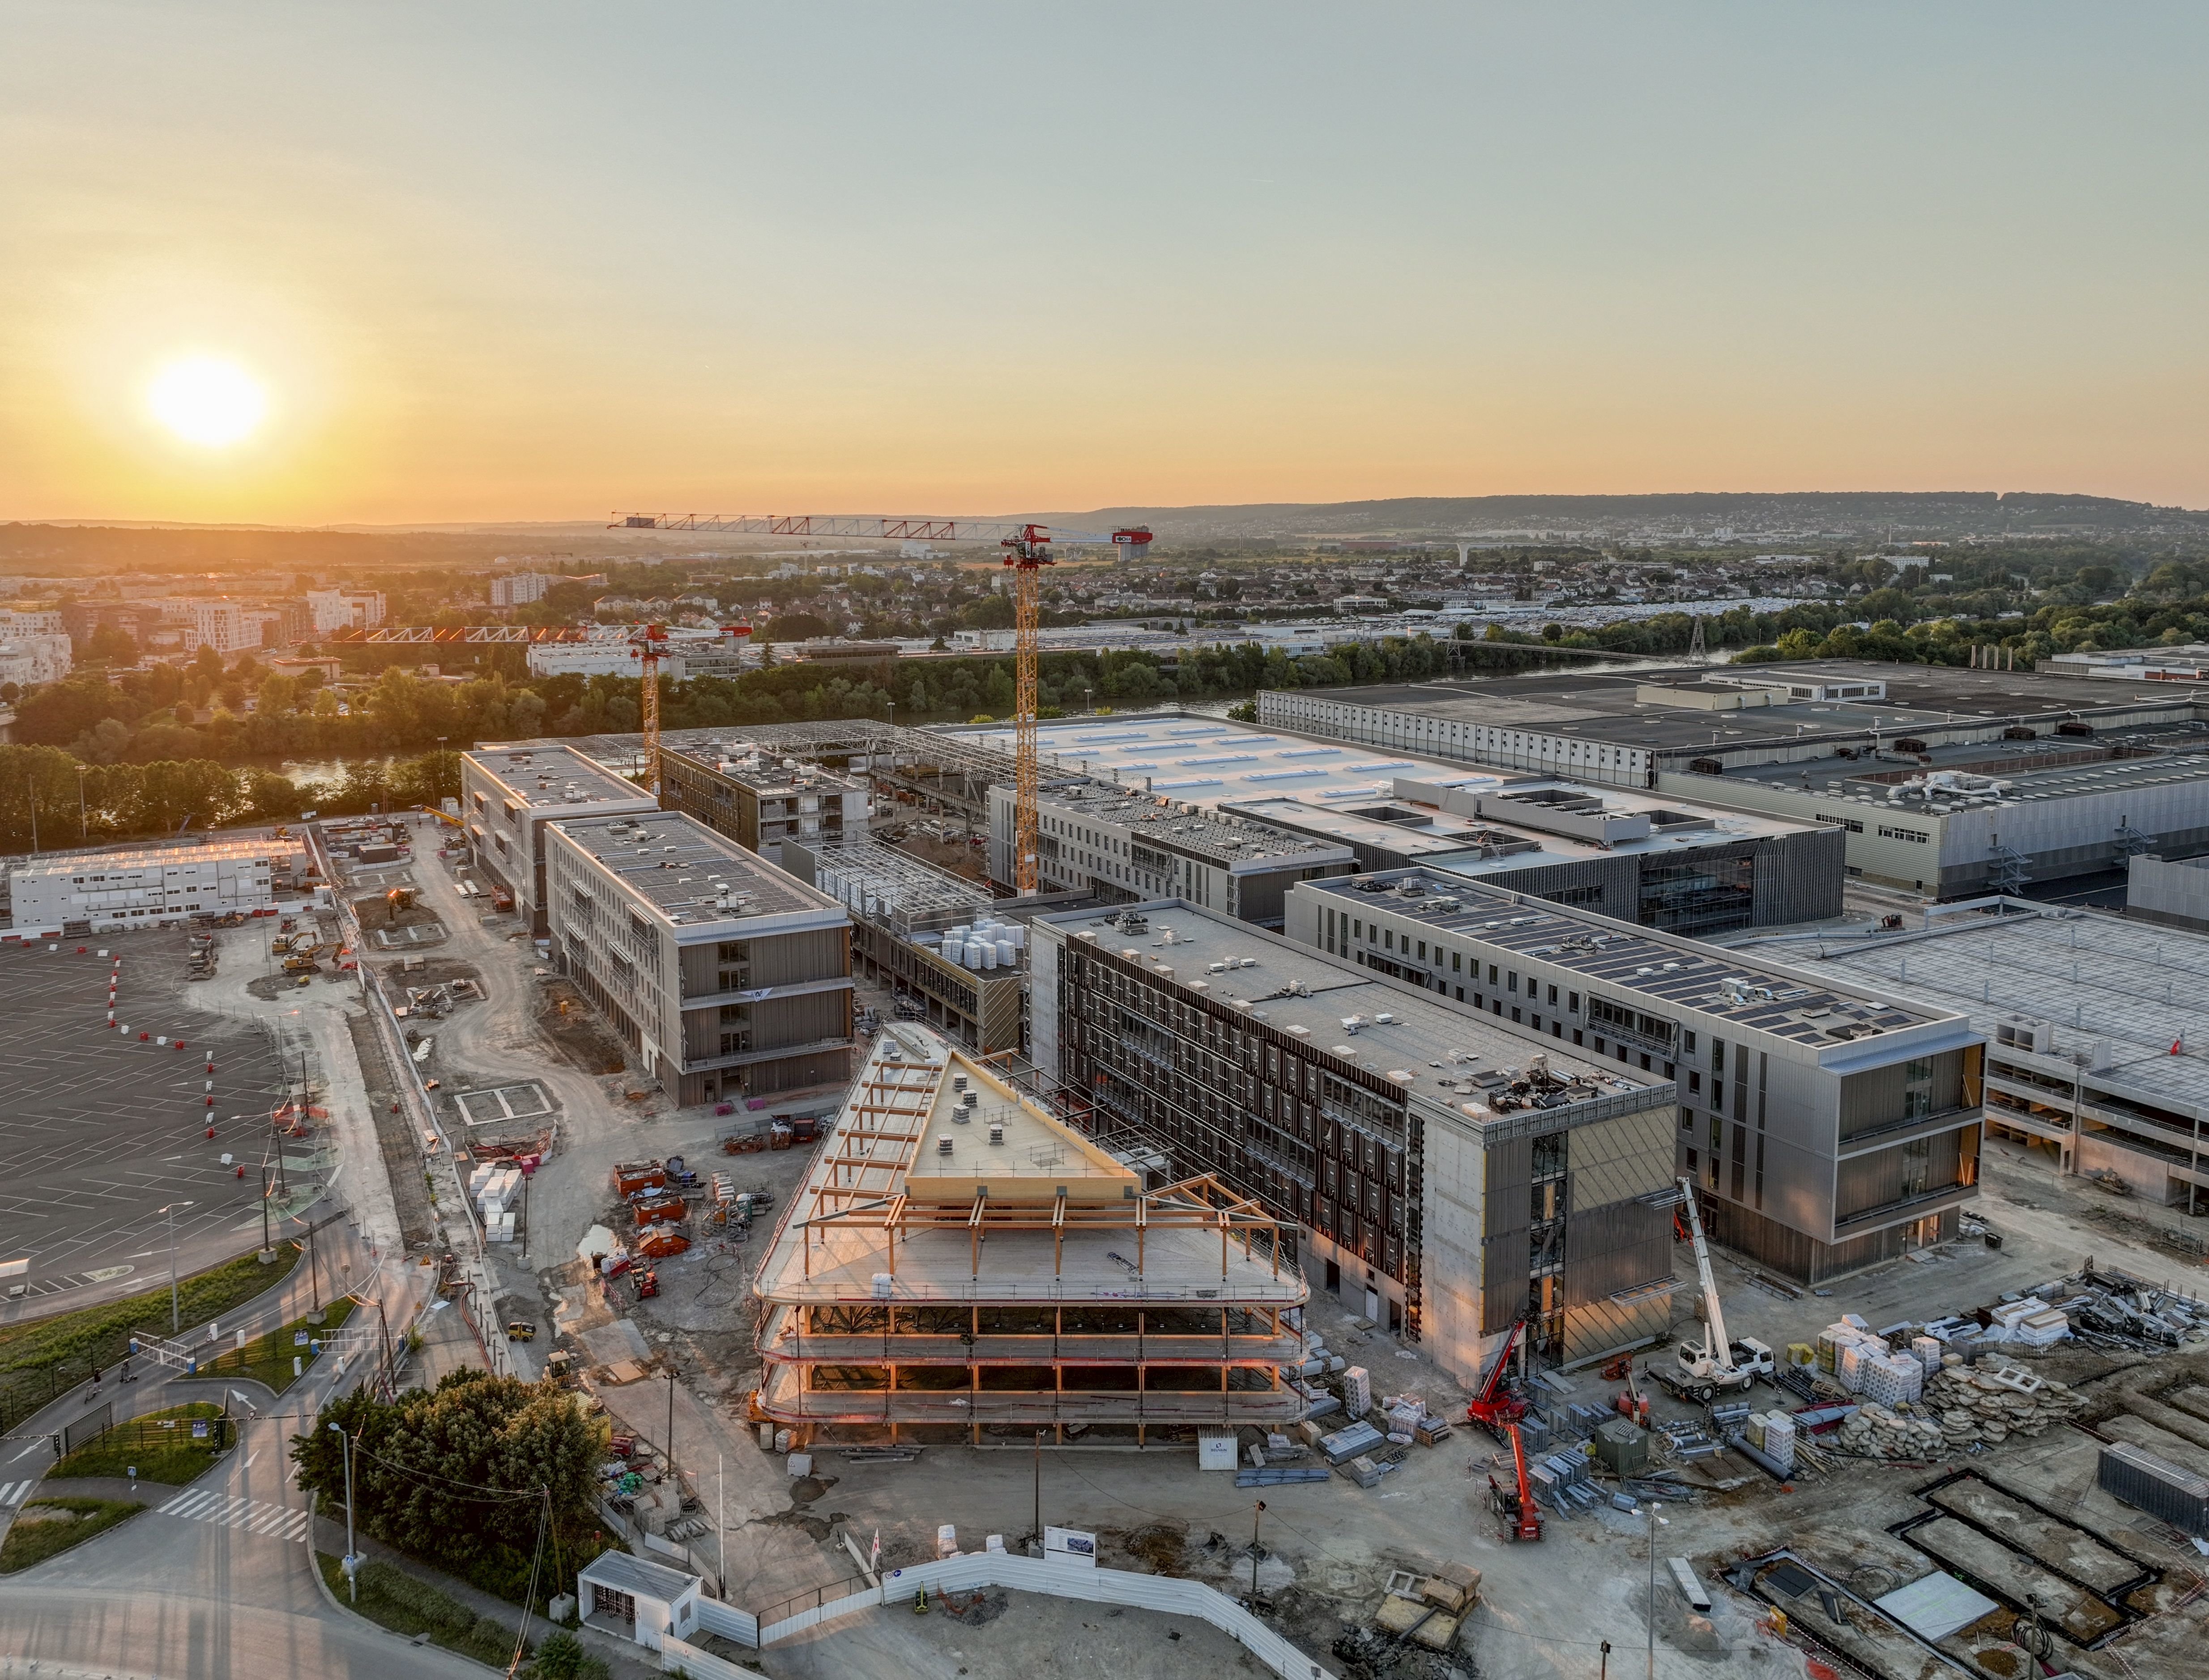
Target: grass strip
160, 1444
35, 1536
391, 1599
267, 1358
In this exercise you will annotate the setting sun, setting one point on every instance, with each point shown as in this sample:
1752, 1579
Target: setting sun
207, 400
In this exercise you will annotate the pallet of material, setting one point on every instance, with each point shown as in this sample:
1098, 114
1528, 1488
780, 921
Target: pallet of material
1348, 1442
1276, 1475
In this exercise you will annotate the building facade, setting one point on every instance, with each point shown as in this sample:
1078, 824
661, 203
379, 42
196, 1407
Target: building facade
759, 799
509, 792
1827, 1130
155, 886
727, 977
344, 609
1450, 1175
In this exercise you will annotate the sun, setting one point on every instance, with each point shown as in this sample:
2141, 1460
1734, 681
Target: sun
207, 400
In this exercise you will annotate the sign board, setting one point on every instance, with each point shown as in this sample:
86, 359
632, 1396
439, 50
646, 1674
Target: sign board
298, 1338
1069, 1545
200, 1430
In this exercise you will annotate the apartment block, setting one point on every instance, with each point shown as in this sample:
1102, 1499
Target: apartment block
727, 976
1828, 1128
960, 1259
759, 799
1449, 1174
509, 792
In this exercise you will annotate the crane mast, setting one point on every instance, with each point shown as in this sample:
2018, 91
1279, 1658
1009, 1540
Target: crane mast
1028, 554
1716, 1346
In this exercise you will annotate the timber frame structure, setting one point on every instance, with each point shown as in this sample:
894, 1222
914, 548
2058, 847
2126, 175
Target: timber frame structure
1115, 1305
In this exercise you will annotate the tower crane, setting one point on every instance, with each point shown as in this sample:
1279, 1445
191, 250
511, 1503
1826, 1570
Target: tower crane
1027, 550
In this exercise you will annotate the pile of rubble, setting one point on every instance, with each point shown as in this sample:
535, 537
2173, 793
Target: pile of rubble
1961, 1408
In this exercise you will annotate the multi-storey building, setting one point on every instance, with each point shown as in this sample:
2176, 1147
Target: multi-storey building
80, 893
1451, 1174
1828, 1128
725, 974
759, 799
344, 609
510, 792
961, 1259
519, 589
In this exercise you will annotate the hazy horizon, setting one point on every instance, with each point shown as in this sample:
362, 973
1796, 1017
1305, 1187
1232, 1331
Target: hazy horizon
533, 264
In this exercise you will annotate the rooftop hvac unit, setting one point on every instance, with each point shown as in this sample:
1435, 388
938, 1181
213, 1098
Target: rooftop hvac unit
997, 1131
1215, 968
972, 1101
1250, 962
1382, 1018
943, 1143
958, 1082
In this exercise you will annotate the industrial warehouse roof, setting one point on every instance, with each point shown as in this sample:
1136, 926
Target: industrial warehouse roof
1210, 761
2049, 767
1610, 706
541, 774
1224, 839
1618, 957
682, 869
1336, 1006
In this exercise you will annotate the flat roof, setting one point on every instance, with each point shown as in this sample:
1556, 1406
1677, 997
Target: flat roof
2137, 985
1482, 845
758, 765
538, 774
1440, 1044
1225, 841
139, 857
681, 868
2049, 767
1621, 957
1605, 705
1210, 761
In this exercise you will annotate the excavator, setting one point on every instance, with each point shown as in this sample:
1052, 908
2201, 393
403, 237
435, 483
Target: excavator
1522, 1517
1714, 1366
1496, 1406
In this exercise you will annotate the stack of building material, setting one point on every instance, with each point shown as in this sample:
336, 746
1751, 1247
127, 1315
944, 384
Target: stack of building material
1876, 1432
1357, 1391
1779, 1443
1927, 1350
1991, 1403
1362, 1471
1890, 1379
2031, 1321
1349, 1442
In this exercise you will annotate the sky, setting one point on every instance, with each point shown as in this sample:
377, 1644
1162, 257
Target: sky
543, 261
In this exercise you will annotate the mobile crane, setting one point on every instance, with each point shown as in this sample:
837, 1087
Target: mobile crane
1713, 1365
1495, 1405
1522, 1518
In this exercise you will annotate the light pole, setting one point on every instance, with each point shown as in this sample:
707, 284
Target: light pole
175, 1323
82, 822
1258, 1511
1655, 1523
352, 1575
671, 1470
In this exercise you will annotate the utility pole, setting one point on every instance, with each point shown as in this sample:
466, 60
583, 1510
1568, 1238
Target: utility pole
1039, 1487
671, 1435
352, 1567
1256, 1513
1655, 1522
1604, 1673
175, 1323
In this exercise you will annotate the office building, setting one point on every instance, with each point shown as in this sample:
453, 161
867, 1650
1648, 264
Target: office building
961, 1261
759, 798
1662, 862
727, 976
1828, 1128
933, 937
510, 792
1450, 1173
2095, 1024
81, 893
222, 625
1946, 781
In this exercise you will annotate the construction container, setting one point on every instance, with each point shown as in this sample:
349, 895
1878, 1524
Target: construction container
2163, 1490
1623, 1447
631, 1176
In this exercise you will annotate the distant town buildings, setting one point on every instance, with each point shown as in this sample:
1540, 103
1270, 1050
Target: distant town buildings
344, 609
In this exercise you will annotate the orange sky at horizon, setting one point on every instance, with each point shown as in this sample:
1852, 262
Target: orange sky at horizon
540, 263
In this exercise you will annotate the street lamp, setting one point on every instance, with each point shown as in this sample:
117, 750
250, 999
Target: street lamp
82, 821
176, 1324
352, 1565
1655, 1523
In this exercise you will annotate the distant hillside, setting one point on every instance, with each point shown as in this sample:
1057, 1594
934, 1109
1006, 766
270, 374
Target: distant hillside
1838, 513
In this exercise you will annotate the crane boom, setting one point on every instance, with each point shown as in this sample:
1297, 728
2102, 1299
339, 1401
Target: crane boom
1720, 1350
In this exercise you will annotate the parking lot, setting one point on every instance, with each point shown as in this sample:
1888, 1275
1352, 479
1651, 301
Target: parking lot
100, 1130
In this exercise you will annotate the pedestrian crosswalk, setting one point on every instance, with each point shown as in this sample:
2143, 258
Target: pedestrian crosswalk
12, 1494
256, 1517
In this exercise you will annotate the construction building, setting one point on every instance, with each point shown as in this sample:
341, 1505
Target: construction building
759, 798
1450, 1174
76, 894
960, 1262
931, 936
2097, 1026
1827, 1128
510, 792
726, 976
1945, 781
2158, 889
1663, 863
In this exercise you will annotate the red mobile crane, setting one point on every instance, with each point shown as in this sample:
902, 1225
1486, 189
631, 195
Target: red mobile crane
1496, 1406
1522, 1518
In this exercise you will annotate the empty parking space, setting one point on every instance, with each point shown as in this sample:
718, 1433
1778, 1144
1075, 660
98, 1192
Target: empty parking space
100, 1130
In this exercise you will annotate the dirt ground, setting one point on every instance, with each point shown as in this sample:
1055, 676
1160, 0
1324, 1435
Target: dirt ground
573, 1027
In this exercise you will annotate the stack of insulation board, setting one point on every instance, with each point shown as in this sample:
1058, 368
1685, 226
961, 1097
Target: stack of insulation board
1891, 1378
1928, 1350
1357, 1391
2031, 1320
